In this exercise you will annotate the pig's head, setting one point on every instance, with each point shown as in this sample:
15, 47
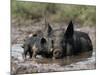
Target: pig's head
60, 44
54, 40
43, 46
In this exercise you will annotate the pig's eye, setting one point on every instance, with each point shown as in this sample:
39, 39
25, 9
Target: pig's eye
43, 41
52, 41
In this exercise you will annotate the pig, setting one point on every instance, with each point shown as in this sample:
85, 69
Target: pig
72, 42
35, 45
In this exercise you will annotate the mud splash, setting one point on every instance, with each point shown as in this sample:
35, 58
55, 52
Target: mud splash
84, 61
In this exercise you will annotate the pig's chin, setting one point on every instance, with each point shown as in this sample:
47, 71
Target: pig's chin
57, 54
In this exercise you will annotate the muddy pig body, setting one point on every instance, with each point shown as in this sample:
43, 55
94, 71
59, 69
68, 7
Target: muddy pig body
71, 42
79, 42
35, 45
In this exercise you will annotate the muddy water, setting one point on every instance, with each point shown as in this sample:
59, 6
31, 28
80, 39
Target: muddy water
83, 61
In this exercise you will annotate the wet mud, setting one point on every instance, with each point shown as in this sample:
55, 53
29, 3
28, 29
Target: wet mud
83, 61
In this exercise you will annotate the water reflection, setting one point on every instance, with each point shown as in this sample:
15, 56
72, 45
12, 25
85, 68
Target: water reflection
67, 60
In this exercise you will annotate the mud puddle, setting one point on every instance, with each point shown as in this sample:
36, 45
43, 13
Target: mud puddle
84, 61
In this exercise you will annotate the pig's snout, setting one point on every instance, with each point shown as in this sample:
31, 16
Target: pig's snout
57, 53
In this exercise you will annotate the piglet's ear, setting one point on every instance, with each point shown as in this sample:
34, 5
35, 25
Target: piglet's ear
70, 30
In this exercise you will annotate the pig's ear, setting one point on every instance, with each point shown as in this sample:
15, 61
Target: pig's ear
43, 41
70, 30
48, 29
